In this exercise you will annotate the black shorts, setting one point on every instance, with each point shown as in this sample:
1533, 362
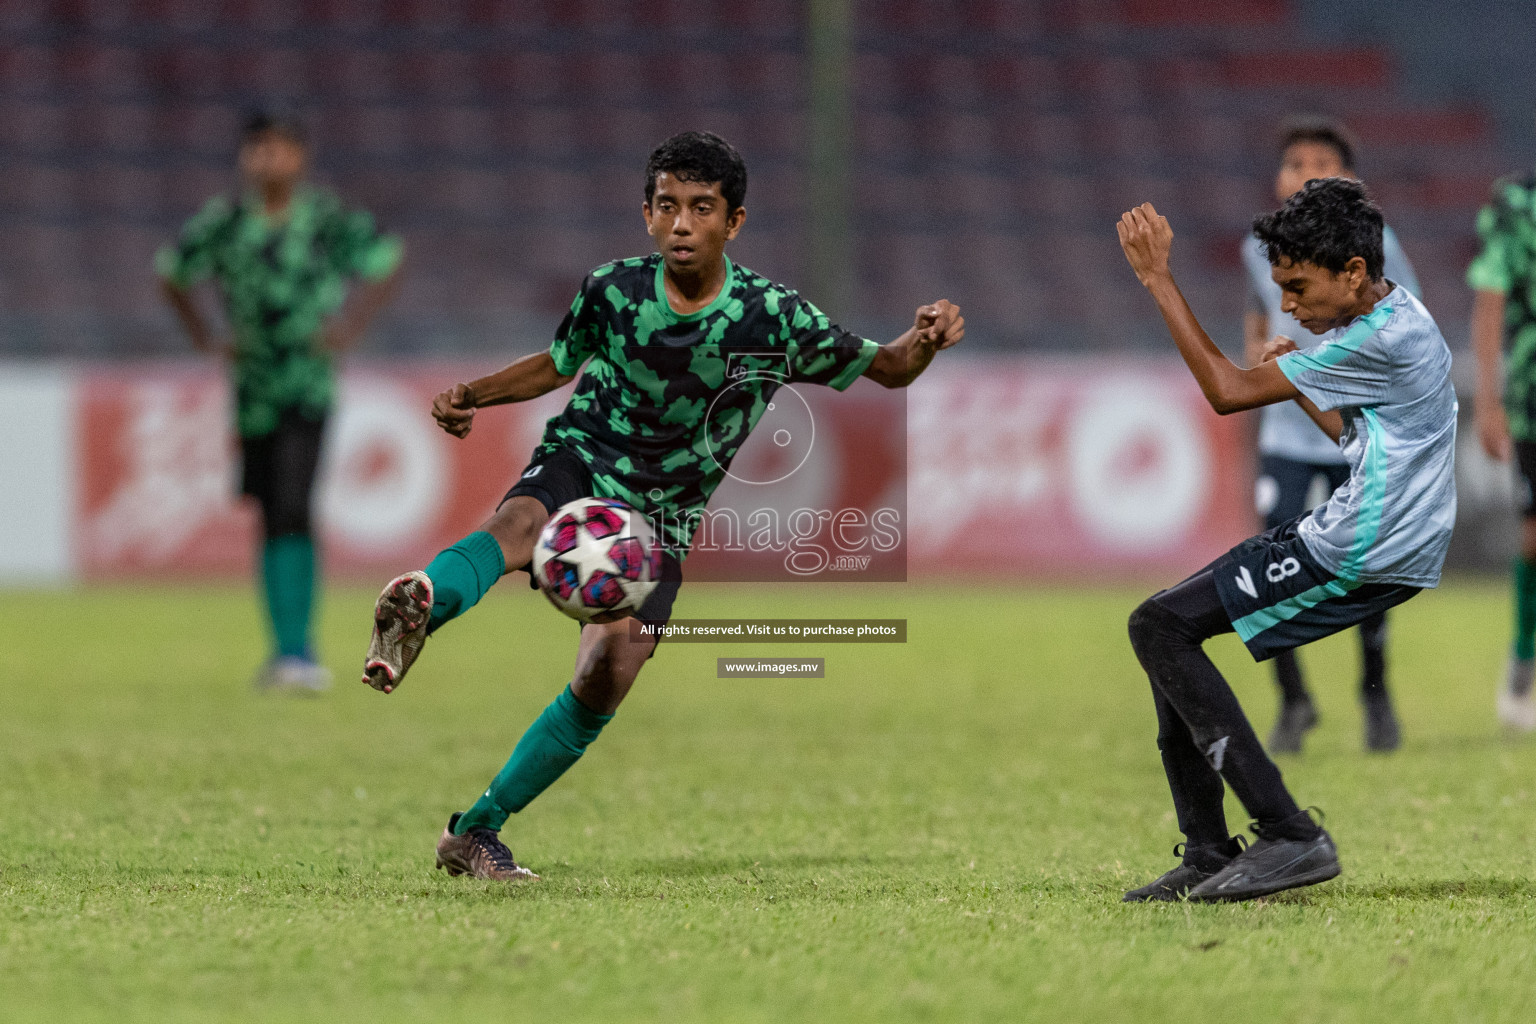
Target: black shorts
1278, 597
1280, 493
278, 470
560, 477
1525, 463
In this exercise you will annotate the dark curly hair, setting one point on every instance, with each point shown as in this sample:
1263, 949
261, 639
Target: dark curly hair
1329, 222
1324, 131
703, 157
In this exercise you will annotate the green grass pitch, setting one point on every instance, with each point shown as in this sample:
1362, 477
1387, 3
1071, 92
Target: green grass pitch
936, 831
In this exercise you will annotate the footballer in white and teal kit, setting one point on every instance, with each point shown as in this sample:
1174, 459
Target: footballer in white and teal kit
1383, 533
1379, 384
1294, 455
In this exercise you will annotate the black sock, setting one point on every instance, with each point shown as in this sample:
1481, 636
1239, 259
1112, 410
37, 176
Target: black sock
1166, 632
1212, 856
1298, 826
1196, 787
1293, 689
1373, 657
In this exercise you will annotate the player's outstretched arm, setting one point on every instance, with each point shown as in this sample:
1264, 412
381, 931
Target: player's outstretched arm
1147, 239
529, 377
936, 327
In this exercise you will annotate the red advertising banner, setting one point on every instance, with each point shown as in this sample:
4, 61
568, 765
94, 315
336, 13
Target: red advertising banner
159, 473
1010, 467
1071, 466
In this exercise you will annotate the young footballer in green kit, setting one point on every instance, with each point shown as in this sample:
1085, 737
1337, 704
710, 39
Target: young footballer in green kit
1503, 277
654, 421
282, 254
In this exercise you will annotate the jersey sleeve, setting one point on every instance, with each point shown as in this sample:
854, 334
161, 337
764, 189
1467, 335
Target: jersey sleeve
1396, 266
1353, 369
1490, 270
192, 257
580, 333
820, 352
358, 249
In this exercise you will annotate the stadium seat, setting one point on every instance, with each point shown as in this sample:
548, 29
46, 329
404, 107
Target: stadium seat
476, 127
1190, 13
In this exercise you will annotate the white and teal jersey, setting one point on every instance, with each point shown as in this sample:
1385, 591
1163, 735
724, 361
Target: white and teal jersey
1388, 373
1285, 430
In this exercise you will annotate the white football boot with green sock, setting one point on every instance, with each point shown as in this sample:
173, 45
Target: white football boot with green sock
417, 603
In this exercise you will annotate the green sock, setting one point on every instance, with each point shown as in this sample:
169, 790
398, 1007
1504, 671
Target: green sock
288, 579
1525, 609
462, 574
553, 743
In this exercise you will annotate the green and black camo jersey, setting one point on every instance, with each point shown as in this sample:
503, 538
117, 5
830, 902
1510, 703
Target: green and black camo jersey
667, 399
1507, 264
280, 280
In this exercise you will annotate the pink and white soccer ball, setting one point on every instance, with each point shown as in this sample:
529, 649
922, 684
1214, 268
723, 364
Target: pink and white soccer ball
597, 560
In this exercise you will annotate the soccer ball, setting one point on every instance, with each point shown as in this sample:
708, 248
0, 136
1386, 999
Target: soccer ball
597, 560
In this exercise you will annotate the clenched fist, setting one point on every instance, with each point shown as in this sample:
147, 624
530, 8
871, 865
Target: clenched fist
454, 410
1146, 237
1276, 348
939, 325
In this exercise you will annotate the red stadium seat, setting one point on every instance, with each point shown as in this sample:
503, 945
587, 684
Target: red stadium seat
507, 138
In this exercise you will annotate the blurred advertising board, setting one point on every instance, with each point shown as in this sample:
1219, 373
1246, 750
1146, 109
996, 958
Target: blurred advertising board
1071, 467
1044, 468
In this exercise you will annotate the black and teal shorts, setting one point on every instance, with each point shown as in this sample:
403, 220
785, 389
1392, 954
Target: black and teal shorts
1278, 597
560, 477
278, 469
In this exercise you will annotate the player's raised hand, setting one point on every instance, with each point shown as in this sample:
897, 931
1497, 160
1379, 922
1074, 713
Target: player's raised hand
1146, 237
1276, 348
939, 325
454, 410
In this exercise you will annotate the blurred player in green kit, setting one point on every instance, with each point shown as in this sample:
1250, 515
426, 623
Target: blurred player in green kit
1503, 278
282, 255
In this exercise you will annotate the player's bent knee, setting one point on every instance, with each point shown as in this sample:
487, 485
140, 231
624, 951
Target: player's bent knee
1146, 623
521, 518
1155, 626
516, 525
